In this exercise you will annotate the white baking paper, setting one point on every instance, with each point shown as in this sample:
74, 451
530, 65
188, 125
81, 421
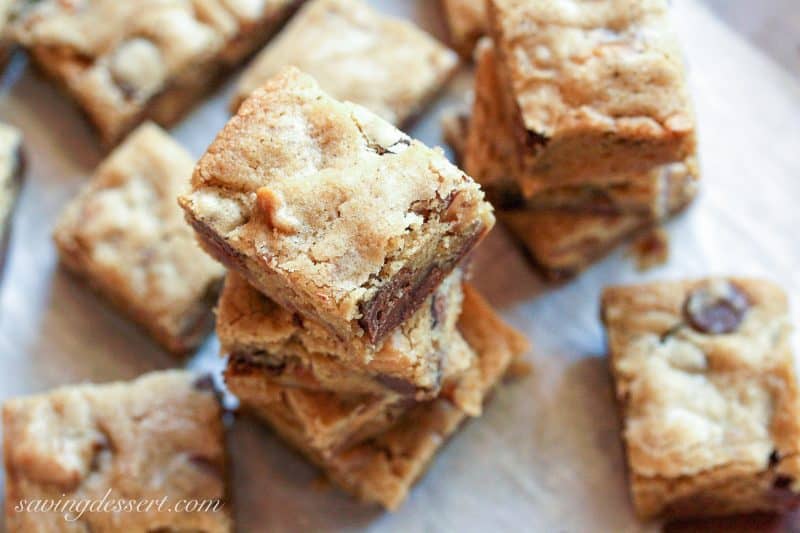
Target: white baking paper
546, 455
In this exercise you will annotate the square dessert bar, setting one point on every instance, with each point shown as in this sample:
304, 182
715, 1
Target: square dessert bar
595, 90
266, 340
125, 62
125, 234
564, 242
157, 439
383, 468
467, 22
708, 390
489, 151
387, 65
331, 211
12, 166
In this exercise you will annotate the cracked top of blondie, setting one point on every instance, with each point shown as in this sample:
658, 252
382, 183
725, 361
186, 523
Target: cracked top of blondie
114, 57
328, 196
126, 233
706, 377
608, 65
387, 65
160, 436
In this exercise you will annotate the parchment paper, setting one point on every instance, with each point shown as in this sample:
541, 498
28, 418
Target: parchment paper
546, 454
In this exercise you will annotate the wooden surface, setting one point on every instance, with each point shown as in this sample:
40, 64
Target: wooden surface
545, 456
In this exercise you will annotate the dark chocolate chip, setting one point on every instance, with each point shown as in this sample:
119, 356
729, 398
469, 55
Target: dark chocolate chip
774, 458
716, 308
506, 196
782, 482
534, 139
399, 298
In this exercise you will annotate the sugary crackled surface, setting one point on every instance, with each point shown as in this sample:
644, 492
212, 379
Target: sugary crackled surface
326, 194
387, 65
115, 56
704, 385
10, 166
611, 65
411, 358
126, 234
467, 21
158, 436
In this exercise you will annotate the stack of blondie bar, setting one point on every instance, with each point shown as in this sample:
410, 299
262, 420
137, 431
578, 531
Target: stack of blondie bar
582, 131
344, 313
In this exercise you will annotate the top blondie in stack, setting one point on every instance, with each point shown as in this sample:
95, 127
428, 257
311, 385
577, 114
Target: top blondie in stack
342, 308
582, 130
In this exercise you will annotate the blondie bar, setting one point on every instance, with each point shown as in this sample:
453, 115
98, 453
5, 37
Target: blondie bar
136, 449
125, 234
331, 211
289, 350
382, 469
594, 90
125, 62
708, 390
389, 66
489, 151
12, 166
467, 22
564, 242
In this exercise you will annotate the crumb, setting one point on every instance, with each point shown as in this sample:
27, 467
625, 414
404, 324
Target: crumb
651, 248
518, 370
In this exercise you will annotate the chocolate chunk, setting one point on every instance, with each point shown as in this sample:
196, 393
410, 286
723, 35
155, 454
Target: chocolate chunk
774, 458
506, 196
782, 482
534, 139
387, 310
716, 308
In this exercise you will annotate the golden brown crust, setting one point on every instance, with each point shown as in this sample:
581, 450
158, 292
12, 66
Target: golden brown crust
125, 235
711, 421
158, 437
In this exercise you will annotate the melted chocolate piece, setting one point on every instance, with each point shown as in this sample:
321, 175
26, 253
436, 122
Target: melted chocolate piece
386, 311
716, 308
534, 139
